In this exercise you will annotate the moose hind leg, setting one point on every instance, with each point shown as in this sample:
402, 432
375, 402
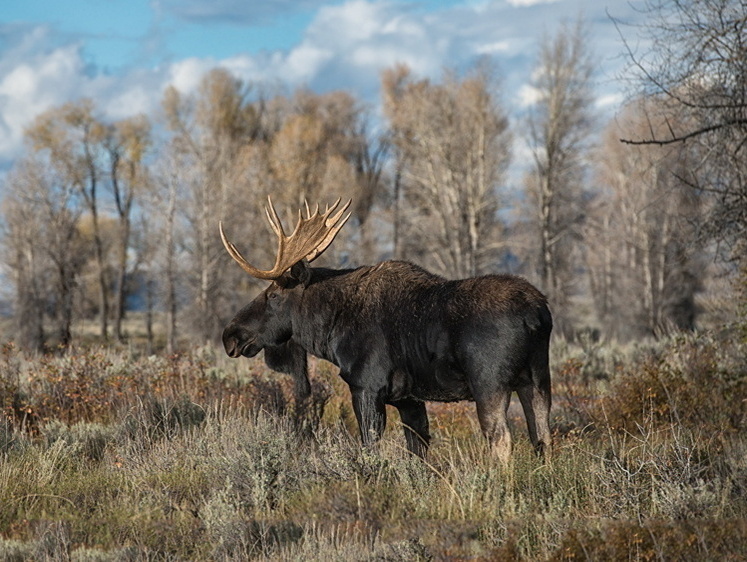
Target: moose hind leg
539, 398
371, 415
492, 413
536, 405
541, 402
526, 396
415, 421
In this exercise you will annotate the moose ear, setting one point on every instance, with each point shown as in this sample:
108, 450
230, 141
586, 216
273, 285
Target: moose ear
301, 272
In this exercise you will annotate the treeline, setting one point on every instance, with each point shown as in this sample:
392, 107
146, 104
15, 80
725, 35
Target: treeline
99, 211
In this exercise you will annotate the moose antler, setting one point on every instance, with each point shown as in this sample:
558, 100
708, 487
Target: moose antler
309, 239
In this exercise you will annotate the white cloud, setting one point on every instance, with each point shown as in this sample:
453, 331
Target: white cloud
305, 62
610, 100
524, 3
527, 96
186, 74
32, 84
36, 75
492, 48
345, 46
137, 99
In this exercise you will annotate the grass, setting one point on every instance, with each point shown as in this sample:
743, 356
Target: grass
107, 455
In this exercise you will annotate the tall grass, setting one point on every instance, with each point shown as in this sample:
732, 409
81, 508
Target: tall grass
105, 455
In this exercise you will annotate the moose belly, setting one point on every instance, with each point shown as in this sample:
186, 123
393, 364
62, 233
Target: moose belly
439, 383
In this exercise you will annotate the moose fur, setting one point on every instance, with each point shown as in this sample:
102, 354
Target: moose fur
403, 336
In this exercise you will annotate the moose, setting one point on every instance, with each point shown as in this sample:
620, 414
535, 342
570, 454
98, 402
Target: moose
399, 335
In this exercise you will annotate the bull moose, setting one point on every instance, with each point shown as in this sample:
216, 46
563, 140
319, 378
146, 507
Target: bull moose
399, 334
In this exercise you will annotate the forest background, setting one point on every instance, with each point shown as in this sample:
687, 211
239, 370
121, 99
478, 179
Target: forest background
635, 232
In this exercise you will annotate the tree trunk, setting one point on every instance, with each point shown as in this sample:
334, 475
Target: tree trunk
171, 304
120, 298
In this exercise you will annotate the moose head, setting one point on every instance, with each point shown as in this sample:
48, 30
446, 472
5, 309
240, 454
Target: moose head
267, 321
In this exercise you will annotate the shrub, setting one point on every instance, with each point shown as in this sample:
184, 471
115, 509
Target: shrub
693, 381
196, 457
88, 440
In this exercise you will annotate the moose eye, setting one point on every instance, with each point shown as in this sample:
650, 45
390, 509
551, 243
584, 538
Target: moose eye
272, 296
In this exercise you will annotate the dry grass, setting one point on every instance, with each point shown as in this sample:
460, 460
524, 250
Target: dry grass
107, 455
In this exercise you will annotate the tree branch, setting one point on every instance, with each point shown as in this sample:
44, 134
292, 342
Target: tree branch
683, 138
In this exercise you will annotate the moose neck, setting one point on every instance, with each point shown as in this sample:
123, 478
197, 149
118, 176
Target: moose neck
322, 302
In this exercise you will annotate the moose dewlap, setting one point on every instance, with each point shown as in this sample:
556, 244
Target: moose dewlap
399, 334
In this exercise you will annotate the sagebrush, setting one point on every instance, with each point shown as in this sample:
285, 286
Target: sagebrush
107, 455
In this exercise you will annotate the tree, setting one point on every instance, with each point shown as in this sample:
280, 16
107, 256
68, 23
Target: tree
44, 250
644, 264
161, 240
321, 151
452, 150
559, 132
696, 66
210, 132
22, 255
126, 142
73, 138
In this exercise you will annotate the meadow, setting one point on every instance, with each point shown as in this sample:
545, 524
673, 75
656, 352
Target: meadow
110, 454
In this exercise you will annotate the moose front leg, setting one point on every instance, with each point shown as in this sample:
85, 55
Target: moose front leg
415, 421
290, 358
370, 412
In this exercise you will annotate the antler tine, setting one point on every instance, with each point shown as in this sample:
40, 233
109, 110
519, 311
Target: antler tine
236, 255
334, 219
333, 224
329, 208
308, 212
311, 236
272, 217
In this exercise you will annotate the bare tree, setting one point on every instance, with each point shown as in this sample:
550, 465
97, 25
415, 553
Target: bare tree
319, 150
696, 65
126, 142
559, 130
644, 264
369, 157
163, 240
23, 257
452, 150
210, 131
44, 250
73, 138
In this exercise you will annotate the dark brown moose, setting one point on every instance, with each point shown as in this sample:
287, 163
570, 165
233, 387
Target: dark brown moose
399, 335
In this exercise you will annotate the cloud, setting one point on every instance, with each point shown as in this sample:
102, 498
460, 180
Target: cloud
524, 3
359, 39
40, 71
345, 45
493, 48
610, 100
32, 80
527, 96
185, 75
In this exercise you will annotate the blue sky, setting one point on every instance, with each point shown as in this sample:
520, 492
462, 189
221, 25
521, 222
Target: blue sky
123, 53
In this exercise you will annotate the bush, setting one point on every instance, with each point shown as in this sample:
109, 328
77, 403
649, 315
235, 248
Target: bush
695, 381
195, 457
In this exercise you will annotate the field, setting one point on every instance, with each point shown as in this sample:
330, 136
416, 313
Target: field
107, 454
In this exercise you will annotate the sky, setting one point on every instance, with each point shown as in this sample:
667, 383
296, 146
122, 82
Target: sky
124, 53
